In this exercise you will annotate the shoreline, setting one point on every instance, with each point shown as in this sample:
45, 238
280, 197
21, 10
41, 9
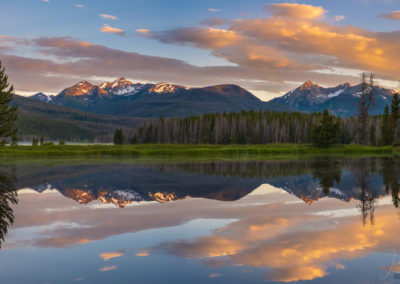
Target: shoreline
196, 151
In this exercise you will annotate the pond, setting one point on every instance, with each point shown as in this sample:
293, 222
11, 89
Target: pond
317, 220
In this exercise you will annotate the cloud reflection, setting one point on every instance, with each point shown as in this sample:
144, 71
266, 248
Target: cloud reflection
109, 255
299, 250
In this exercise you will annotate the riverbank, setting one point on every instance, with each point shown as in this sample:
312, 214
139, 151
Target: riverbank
163, 150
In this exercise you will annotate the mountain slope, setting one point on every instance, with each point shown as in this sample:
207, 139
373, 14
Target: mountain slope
36, 118
123, 98
342, 100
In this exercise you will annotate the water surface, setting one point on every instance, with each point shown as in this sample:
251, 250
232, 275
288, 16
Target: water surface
314, 220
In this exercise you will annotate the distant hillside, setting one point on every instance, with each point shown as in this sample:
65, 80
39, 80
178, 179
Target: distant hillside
342, 100
123, 98
36, 118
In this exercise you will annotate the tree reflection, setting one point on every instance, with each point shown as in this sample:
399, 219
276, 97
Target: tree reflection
367, 194
8, 197
328, 171
390, 179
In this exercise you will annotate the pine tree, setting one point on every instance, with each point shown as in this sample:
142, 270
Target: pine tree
119, 137
372, 135
327, 131
8, 114
394, 116
385, 127
14, 139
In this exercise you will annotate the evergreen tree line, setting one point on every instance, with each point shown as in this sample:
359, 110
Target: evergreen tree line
8, 114
264, 127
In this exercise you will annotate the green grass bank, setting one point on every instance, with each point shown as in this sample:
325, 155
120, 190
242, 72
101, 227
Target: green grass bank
164, 150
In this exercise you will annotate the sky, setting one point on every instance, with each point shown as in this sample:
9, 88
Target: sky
268, 47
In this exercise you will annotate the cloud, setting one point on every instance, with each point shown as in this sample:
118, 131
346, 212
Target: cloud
214, 10
268, 56
75, 60
143, 31
108, 17
201, 37
109, 255
108, 29
298, 11
339, 18
292, 40
395, 15
46, 1
214, 22
79, 5
108, 268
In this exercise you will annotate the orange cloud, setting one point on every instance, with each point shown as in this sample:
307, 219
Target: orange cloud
108, 29
144, 31
298, 11
353, 48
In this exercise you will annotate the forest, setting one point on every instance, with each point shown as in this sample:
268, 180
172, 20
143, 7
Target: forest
264, 127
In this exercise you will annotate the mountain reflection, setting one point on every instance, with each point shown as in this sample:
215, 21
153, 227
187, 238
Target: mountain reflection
308, 179
8, 196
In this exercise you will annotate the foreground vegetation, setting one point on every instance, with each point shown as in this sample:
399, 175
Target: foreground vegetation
170, 150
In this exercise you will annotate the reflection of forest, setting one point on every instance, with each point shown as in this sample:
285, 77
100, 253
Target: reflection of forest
8, 196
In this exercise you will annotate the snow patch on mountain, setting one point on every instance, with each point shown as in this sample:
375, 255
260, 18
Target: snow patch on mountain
42, 97
128, 90
335, 94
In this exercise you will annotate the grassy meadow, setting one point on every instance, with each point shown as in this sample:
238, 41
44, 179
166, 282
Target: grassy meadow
169, 150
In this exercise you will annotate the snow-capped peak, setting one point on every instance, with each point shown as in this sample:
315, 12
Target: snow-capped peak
103, 85
120, 82
164, 88
307, 85
121, 86
42, 97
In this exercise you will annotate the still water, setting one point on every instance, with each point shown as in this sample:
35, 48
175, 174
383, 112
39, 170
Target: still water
325, 220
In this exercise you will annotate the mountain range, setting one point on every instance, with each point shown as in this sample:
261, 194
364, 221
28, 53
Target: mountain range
124, 98
88, 112
342, 100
